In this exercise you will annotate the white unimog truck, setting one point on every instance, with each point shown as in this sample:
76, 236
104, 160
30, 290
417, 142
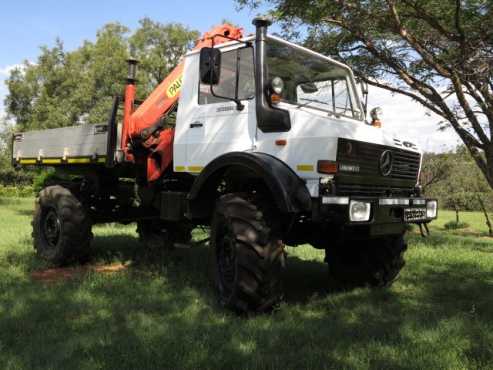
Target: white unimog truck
269, 146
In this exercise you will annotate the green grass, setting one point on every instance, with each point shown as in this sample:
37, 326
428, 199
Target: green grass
438, 315
475, 220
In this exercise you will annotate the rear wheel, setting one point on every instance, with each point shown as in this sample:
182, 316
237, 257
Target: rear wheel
375, 262
248, 254
61, 227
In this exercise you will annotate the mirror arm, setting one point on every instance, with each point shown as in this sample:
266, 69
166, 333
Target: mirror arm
364, 90
239, 105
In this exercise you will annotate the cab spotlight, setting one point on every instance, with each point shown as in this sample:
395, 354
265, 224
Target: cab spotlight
277, 85
375, 115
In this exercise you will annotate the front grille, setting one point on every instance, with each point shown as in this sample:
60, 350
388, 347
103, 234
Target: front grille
368, 178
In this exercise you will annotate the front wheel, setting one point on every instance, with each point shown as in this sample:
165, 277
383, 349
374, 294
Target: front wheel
248, 254
375, 262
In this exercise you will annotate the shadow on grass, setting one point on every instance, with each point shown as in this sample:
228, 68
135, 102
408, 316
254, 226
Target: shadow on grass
6, 201
435, 317
25, 212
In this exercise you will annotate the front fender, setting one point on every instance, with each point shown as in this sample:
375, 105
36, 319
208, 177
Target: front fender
287, 189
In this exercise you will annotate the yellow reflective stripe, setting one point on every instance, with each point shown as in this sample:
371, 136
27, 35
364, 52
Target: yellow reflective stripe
79, 160
180, 169
305, 167
27, 161
195, 169
51, 161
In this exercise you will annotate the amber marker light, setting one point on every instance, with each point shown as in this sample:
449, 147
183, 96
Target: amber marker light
275, 99
328, 167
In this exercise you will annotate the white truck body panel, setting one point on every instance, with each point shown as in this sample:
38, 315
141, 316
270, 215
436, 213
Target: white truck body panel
313, 135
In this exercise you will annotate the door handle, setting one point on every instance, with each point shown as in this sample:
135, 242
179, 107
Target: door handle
196, 124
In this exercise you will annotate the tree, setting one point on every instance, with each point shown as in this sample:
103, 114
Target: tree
435, 168
67, 87
455, 180
439, 53
159, 48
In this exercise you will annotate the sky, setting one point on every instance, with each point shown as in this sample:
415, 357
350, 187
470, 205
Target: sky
28, 24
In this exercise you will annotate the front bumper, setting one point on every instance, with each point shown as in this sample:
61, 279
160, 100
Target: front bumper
387, 215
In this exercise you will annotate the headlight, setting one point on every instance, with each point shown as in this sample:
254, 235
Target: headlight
359, 211
277, 85
431, 209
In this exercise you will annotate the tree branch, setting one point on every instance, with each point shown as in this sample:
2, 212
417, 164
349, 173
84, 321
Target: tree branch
468, 110
414, 42
422, 14
403, 92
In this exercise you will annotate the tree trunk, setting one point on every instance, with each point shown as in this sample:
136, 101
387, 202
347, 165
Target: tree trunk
488, 223
456, 215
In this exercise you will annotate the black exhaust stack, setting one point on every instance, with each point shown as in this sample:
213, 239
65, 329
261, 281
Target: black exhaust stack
269, 119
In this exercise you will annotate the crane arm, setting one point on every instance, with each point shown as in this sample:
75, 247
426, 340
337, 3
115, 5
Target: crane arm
164, 98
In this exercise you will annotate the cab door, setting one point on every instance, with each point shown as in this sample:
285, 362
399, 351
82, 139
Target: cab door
217, 125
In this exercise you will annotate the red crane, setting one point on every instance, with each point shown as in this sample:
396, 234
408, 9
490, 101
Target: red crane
144, 124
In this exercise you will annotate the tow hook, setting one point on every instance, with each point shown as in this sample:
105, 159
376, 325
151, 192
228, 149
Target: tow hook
426, 233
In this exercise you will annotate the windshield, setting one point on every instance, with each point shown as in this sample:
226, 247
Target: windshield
311, 81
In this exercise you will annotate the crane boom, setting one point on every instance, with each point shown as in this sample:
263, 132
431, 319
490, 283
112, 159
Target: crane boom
136, 124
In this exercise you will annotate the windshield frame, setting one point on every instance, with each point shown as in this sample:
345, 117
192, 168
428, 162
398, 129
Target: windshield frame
350, 80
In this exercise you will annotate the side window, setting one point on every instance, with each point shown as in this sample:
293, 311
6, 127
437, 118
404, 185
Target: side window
227, 84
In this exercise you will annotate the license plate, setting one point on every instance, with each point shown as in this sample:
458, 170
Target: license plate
414, 214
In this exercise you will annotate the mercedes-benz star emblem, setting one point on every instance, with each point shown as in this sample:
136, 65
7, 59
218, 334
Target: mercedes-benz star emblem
386, 162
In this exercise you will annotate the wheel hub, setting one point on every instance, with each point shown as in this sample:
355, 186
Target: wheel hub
52, 228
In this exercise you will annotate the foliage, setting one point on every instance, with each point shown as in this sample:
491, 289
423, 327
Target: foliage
8, 175
439, 53
159, 48
43, 179
454, 225
63, 88
17, 191
435, 168
455, 181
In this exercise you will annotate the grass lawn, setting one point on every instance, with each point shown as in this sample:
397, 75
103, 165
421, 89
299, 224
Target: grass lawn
438, 315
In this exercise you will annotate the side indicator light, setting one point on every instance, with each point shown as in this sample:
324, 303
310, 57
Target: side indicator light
275, 99
281, 142
328, 167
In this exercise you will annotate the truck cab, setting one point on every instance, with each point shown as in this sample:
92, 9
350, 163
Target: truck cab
307, 114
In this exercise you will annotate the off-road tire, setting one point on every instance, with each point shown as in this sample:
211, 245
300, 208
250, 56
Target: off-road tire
248, 255
375, 262
61, 227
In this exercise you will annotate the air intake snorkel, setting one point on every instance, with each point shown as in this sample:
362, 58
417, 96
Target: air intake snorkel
269, 119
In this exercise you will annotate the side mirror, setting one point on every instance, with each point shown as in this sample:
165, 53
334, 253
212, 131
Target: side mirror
210, 66
309, 88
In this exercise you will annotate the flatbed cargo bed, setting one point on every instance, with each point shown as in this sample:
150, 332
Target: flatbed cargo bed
85, 144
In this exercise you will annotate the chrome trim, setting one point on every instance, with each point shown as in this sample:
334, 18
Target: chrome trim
393, 202
335, 200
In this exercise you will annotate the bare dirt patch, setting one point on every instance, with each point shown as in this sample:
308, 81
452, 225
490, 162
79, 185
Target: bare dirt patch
65, 273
